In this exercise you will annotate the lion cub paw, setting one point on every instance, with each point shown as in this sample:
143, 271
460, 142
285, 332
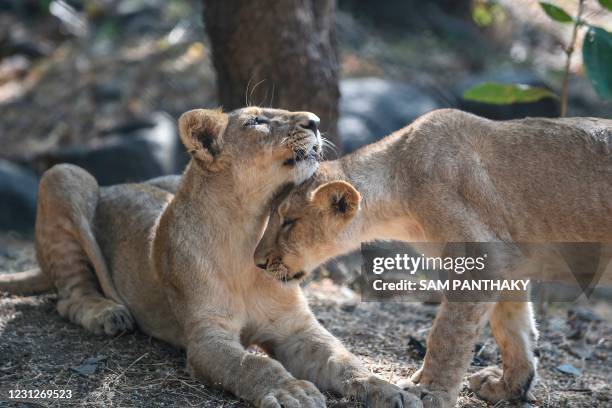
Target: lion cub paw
428, 398
489, 385
110, 319
293, 394
381, 394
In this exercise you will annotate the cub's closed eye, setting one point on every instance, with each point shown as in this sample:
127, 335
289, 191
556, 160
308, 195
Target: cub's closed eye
257, 120
287, 223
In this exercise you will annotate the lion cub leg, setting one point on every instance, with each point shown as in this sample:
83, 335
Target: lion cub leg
514, 329
216, 356
450, 346
68, 253
311, 353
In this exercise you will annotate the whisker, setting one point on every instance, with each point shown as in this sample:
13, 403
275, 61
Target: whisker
272, 96
263, 100
255, 87
246, 91
328, 145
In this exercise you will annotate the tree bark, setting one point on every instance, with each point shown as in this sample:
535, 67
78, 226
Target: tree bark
279, 53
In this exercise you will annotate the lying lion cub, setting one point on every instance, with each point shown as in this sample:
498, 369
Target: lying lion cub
174, 255
454, 177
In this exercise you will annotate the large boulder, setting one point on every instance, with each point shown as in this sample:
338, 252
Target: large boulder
408, 15
18, 190
371, 108
133, 152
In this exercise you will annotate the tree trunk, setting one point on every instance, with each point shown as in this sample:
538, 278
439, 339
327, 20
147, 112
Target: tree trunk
279, 53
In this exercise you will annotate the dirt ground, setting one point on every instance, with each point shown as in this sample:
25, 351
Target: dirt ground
39, 350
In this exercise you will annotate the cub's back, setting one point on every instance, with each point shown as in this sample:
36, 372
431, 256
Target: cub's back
554, 177
546, 179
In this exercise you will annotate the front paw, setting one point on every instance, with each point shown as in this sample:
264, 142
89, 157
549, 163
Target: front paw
429, 398
293, 394
489, 385
381, 394
109, 318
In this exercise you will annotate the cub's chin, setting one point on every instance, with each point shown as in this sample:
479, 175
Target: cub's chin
304, 169
305, 160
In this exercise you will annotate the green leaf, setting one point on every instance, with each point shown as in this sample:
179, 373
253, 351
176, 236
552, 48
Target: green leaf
607, 4
556, 13
482, 16
597, 57
505, 94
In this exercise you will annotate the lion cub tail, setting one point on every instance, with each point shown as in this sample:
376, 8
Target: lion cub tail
25, 283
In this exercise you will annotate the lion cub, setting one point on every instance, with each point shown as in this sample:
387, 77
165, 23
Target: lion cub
173, 256
454, 177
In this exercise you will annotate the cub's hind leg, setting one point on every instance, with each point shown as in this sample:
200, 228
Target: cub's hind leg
514, 329
69, 254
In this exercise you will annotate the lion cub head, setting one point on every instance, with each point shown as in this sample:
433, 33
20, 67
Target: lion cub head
304, 229
261, 147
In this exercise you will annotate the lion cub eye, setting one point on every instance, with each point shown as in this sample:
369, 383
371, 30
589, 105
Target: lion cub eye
287, 223
257, 120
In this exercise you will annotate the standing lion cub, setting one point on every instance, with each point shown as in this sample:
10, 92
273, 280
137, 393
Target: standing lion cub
454, 177
173, 256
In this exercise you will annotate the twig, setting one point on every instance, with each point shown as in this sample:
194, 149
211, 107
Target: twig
569, 51
108, 343
128, 367
587, 390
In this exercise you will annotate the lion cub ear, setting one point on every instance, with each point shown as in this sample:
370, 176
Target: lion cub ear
201, 131
339, 197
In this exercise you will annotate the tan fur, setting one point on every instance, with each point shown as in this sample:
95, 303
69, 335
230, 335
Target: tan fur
26, 283
451, 176
174, 257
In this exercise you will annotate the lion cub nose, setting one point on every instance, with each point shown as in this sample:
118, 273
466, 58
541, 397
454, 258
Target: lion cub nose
311, 122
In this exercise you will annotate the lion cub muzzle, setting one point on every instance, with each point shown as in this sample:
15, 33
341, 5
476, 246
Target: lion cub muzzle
275, 267
305, 140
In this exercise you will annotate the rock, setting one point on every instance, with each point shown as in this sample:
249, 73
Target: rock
132, 154
371, 108
408, 14
569, 369
547, 107
89, 366
18, 190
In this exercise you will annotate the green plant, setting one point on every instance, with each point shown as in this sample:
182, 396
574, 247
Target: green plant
596, 53
487, 12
